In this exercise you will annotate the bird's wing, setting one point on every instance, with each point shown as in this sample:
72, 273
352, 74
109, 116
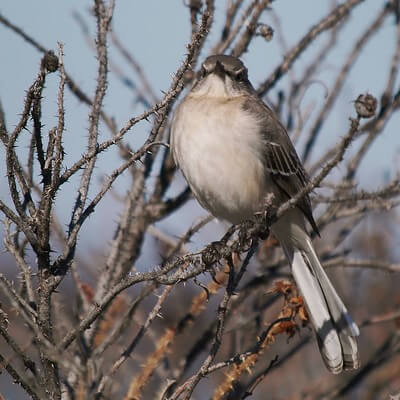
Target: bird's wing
280, 157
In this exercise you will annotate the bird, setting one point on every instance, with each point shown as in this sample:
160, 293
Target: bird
235, 154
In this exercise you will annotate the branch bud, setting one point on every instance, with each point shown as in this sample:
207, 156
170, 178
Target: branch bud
265, 31
49, 62
365, 105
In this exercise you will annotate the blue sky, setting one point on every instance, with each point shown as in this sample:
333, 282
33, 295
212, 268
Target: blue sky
156, 32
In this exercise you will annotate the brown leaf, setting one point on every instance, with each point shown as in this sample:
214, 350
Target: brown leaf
282, 286
87, 291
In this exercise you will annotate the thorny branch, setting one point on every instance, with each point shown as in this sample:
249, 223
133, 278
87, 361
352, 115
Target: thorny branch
328, 22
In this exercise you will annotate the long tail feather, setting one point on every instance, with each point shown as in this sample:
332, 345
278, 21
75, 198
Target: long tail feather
334, 327
339, 312
328, 338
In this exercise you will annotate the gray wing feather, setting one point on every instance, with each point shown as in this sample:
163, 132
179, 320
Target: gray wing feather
280, 156
281, 161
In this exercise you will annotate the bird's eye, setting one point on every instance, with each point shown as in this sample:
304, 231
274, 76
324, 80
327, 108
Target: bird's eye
240, 75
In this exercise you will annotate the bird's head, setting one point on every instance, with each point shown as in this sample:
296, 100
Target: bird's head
221, 76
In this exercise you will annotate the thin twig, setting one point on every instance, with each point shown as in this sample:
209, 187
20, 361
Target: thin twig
334, 17
340, 79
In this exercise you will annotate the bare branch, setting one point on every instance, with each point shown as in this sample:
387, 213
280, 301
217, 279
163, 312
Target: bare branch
248, 34
354, 263
326, 23
340, 79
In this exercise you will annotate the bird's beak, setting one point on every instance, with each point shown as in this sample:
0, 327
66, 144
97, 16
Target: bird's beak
219, 70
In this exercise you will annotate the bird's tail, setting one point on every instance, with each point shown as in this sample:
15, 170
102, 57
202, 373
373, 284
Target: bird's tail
335, 329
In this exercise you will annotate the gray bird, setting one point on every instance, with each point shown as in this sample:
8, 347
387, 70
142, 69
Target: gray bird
235, 154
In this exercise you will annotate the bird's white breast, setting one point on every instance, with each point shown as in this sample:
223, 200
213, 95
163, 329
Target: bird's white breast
218, 148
